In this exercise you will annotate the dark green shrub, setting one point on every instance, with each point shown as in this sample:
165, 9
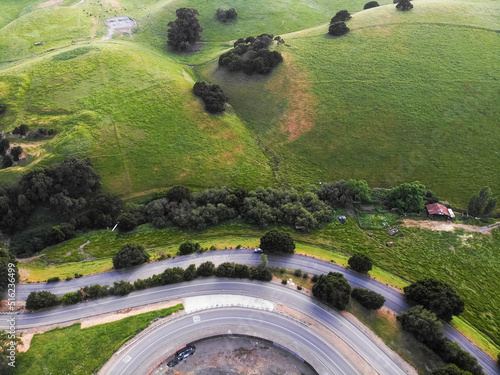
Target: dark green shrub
277, 242
368, 299
371, 4
333, 289
172, 276
404, 5
360, 263
206, 269
260, 273
189, 247
284, 282
53, 279
130, 255
226, 269
41, 300
71, 298
338, 29
241, 271
436, 296
342, 15
121, 288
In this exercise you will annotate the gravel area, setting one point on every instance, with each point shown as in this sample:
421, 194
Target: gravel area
231, 355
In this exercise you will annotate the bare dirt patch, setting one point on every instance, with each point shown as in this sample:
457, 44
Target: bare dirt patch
448, 226
300, 116
231, 355
118, 315
93, 31
115, 4
51, 3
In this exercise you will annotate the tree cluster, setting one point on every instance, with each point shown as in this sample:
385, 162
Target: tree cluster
266, 207
408, 197
4, 144
275, 241
426, 328
482, 204
64, 188
6, 276
23, 130
226, 15
368, 298
340, 194
67, 191
130, 255
338, 28
342, 15
436, 296
252, 55
360, 263
185, 30
404, 5
333, 289
212, 95
262, 207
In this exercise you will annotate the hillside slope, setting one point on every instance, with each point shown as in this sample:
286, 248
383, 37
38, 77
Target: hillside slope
403, 97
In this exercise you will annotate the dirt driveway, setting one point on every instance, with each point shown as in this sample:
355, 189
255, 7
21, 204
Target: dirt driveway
448, 226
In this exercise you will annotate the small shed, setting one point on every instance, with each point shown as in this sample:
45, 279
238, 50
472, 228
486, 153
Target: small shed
436, 209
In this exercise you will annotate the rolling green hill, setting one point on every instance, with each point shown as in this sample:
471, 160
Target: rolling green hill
133, 113
405, 96
393, 101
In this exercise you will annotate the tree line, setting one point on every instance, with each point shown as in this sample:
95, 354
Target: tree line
45, 299
70, 192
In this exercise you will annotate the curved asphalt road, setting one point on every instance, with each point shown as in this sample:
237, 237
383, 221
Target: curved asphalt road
394, 300
330, 318
162, 341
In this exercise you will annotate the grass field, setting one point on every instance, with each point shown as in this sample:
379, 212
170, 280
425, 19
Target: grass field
393, 101
126, 108
84, 351
405, 96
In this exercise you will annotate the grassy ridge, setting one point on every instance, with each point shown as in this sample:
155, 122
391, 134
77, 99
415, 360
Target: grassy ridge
72, 350
393, 101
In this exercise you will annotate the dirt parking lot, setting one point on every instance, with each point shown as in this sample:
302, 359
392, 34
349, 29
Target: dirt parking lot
230, 355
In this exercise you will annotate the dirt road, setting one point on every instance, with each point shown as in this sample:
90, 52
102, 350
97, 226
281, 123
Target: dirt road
448, 226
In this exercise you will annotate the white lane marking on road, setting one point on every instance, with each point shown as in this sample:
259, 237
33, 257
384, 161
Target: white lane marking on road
291, 332
127, 359
196, 319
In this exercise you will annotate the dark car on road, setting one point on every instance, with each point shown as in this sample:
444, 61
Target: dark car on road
184, 353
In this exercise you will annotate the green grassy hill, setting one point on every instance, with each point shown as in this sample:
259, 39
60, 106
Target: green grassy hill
403, 97
132, 111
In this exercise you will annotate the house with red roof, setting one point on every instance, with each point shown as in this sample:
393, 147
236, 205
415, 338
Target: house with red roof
438, 210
